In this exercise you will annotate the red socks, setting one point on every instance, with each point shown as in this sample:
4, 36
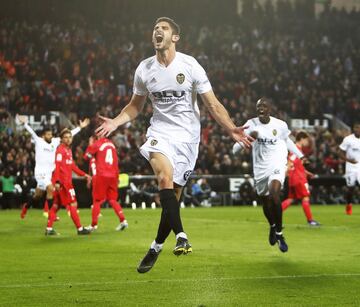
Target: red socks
118, 209
75, 216
52, 215
95, 212
286, 203
349, 209
306, 207
46, 206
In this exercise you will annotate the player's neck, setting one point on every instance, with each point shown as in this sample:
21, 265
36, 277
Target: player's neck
264, 120
165, 57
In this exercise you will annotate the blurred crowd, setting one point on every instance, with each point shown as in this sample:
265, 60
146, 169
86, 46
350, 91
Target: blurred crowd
308, 66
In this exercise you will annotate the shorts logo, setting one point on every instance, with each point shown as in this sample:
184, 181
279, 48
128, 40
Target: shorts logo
180, 78
276, 171
153, 142
274, 132
187, 175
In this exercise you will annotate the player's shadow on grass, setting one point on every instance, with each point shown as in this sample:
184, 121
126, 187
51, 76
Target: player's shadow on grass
284, 267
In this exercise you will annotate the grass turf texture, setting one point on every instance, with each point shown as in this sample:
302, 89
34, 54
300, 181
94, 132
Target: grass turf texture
232, 263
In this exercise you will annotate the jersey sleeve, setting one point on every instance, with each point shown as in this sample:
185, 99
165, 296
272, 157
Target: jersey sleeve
77, 170
56, 141
344, 145
90, 151
58, 161
139, 85
32, 132
285, 132
75, 131
293, 148
250, 126
200, 79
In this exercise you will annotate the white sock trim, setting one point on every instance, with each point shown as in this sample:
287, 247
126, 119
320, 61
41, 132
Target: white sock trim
278, 233
156, 246
181, 235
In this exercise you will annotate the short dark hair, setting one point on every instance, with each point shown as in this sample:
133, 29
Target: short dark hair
64, 131
301, 135
174, 26
46, 129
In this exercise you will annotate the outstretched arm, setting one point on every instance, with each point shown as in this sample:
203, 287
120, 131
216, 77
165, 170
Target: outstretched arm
222, 117
130, 112
293, 148
78, 171
82, 124
24, 120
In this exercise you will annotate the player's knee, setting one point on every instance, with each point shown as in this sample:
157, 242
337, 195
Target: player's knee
38, 196
165, 181
275, 195
49, 191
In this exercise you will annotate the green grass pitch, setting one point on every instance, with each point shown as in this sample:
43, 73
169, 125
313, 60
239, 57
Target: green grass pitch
232, 263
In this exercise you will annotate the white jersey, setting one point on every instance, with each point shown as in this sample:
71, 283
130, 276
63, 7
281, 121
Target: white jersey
269, 150
351, 145
173, 92
45, 152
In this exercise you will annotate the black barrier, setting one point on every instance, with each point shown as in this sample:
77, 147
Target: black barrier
222, 184
83, 194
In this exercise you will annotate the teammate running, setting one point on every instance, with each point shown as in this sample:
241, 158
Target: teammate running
105, 170
45, 147
62, 180
350, 152
172, 81
269, 153
298, 184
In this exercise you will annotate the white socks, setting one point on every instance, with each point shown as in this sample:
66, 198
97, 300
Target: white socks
181, 235
157, 247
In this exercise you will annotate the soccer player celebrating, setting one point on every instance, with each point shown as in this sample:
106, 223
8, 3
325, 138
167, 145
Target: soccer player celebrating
269, 153
105, 179
298, 184
45, 147
350, 152
172, 81
62, 179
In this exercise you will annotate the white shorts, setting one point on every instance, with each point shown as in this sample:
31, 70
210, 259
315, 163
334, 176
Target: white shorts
182, 156
43, 180
352, 178
262, 185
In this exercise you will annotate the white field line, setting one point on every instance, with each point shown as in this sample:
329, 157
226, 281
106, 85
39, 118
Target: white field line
304, 225
70, 284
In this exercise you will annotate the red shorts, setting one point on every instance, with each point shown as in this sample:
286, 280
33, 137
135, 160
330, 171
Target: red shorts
299, 190
104, 188
65, 196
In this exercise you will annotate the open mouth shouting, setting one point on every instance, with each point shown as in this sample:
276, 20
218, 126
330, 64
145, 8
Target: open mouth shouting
158, 38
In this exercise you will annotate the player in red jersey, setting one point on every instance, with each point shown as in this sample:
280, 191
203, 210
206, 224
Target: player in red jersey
298, 184
62, 180
105, 179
